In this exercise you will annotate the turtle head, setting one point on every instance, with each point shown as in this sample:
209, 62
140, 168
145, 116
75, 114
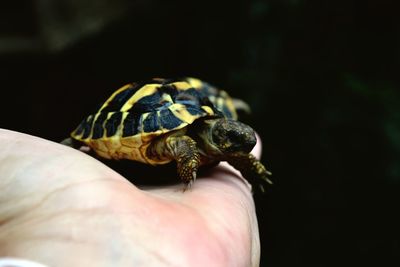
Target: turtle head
231, 136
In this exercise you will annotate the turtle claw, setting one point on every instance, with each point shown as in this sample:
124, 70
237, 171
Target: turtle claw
188, 174
187, 186
252, 169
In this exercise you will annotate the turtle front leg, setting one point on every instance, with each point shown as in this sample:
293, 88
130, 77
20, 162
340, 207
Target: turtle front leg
251, 168
183, 150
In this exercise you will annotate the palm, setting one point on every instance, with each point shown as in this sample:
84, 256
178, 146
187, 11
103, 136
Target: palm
61, 207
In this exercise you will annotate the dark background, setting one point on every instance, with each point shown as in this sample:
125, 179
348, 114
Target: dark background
322, 78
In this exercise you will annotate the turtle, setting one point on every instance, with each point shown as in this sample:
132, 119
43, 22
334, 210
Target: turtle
160, 120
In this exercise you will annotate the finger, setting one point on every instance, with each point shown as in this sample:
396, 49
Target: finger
23, 149
31, 166
258, 148
224, 198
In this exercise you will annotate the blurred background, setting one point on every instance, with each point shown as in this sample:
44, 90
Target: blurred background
322, 78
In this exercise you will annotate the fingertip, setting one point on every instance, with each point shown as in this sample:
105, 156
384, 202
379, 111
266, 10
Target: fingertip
257, 150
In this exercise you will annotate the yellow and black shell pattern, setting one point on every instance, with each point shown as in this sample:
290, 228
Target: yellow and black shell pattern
137, 113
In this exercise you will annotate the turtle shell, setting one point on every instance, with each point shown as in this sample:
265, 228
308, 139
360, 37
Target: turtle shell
135, 114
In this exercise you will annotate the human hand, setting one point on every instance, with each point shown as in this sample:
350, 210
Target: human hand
61, 207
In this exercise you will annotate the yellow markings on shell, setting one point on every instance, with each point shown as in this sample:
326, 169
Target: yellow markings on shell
220, 103
212, 98
208, 110
132, 141
118, 132
106, 145
182, 85
102, 126
166, 98
226, 100
98, 146
144, 116
231, 107
131, 153
196, 83
112, 144
79, 137
111, 98
146, 90
147, 137
180, 111
103, 154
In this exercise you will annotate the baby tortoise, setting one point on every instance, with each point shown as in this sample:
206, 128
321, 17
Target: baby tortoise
162, 120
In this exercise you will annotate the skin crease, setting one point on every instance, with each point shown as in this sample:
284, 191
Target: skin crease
61, 207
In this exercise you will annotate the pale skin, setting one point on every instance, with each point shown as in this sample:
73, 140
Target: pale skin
61, 207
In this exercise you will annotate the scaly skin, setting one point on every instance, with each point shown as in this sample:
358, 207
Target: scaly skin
183, 150
251, 168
